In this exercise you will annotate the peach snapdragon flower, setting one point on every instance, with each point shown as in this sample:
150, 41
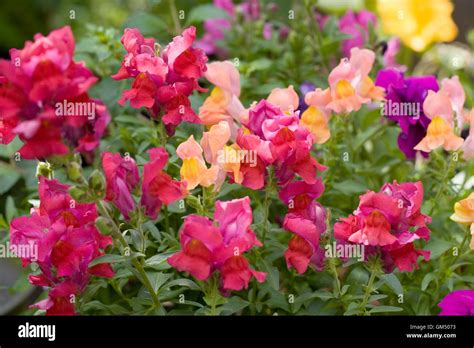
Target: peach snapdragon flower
440, 107
223, 103
349, 88
194, 170
464, 214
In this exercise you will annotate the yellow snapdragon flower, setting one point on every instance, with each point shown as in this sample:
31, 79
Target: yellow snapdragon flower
418, 23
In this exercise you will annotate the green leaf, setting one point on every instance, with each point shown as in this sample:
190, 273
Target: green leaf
188, 283
202, 12
350, 187
157, 260
427, 280
273, 276
109, 258
157, 279
147, 23
352, 309
437, 247
10, 209
385, 309
113, 309
258, 64
392, 281
8, 177
7, 151
235, 304
150, 226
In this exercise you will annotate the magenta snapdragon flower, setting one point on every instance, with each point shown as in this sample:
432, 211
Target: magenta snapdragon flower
459, 302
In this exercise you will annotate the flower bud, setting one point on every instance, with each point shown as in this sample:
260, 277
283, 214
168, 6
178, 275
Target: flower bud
97, 183
74, 171
79, 193
44, 169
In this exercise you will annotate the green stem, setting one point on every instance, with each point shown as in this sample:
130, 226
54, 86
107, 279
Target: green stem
442, 186
162, 134
369, 287
266, 205
214, 293
332, 265
174, 15
466, 236
144, 278
318, 36
167, 220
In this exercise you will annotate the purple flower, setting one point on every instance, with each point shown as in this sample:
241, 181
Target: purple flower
305, 88
459, 302
355, 25
404, 105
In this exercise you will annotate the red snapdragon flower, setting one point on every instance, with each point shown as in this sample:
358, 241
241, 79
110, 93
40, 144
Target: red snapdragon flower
64, 235
35, 85
207, 247
158, 187
164, 80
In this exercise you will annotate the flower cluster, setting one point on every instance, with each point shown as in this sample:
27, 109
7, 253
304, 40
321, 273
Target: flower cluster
157, 187
268, 149
412, 91
44, 100
349, 88
208, 246
388, 223
67, 240
162, 79
433, 116
440, 107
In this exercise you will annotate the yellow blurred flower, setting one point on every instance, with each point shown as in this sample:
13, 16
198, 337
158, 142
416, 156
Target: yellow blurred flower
418, 22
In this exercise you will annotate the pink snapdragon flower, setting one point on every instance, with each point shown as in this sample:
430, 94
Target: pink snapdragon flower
389, 222
280, 137
306, 219
67, 240
207, 247
44, 99
122, 176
